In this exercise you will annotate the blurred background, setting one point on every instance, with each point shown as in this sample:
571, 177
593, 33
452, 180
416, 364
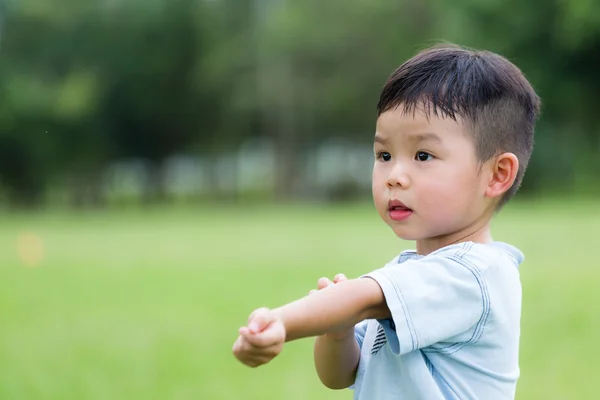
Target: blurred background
167, 166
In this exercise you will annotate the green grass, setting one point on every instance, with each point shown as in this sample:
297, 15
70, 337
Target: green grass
146, 304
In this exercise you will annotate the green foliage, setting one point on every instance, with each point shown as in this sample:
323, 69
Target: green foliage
149, 79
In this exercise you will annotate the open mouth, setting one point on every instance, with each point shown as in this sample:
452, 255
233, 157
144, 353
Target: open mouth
397, 205
398, 211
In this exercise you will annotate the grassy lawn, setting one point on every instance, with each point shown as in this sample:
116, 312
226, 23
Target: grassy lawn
146, 304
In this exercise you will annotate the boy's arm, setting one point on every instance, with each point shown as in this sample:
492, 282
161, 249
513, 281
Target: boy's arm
336, 360
337, 354
429, 300
339, 307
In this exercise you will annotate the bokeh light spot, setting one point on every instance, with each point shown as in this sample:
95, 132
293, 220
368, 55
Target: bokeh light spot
30, 249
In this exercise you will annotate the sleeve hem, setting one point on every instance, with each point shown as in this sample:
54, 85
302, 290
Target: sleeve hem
407, 340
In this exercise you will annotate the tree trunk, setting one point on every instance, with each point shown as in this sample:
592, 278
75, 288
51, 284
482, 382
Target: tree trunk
286, 143
275, 92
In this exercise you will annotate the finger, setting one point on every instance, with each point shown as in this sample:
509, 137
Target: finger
260, 320
236, 346
264, 339
244, 331
253, 356
246, 353
257, 362
312, 292
271, 352
253, 313
263, 356
340, 278
255, 340
239, 349
242, 347
250, 361
262, 361
322, 283
260, 352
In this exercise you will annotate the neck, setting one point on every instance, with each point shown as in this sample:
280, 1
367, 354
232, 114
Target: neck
478, 232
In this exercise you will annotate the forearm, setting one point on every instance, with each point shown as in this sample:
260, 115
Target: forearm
336, 360
336, 308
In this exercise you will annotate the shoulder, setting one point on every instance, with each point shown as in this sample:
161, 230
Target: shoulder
480, 257
463, 265
468, 263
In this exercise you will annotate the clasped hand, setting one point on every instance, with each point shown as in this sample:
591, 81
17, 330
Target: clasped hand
264, 337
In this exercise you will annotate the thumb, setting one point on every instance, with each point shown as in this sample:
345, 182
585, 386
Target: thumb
322, 283
260, 320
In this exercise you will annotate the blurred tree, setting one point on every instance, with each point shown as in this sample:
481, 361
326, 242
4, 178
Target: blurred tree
228, 93
83, 84
149, 103
321, 67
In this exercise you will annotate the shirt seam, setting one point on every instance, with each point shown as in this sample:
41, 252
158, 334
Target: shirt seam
411, 329
479, 327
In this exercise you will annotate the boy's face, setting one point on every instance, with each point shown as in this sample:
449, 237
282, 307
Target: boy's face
427, 183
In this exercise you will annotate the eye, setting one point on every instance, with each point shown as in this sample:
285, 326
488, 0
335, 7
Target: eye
423, 156
384, 156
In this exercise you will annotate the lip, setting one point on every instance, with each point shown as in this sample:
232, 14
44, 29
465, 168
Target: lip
398, 211
397, 204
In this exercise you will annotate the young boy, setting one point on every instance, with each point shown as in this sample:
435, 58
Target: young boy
453, 138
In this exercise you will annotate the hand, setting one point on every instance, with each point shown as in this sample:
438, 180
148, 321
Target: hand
324, 283
262, 340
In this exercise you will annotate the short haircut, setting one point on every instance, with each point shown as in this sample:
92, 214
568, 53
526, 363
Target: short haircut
489, 93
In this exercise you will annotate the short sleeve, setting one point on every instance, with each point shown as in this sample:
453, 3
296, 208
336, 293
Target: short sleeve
432, 299
360, 330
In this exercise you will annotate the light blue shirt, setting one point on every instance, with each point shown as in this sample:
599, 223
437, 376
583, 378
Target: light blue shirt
454, 331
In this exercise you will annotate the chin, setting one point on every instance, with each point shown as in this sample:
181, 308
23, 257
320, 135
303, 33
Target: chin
405, 235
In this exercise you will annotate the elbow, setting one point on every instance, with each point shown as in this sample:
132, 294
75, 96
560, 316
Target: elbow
336, 387
336, 377
336, 384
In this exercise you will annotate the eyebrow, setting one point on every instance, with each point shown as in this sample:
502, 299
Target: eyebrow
417, 137
426, 137
379, 139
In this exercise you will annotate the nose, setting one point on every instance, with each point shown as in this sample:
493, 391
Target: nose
397, 177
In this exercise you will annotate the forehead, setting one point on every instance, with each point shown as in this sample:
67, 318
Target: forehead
398, 124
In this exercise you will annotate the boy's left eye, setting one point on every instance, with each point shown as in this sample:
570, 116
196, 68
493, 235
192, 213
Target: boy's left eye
423, 156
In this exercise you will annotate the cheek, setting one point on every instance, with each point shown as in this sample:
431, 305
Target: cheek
378, 188
449, 194
377, 178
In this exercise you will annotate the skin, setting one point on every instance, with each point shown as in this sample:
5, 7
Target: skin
428, 164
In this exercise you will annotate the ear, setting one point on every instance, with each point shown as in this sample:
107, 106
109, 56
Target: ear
503, 174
